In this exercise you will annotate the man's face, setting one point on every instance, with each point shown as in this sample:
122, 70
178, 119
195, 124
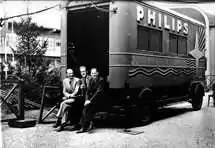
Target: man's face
70, 73
83, 72
94, 73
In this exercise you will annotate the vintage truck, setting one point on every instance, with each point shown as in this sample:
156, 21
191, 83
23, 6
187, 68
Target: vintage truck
149, 56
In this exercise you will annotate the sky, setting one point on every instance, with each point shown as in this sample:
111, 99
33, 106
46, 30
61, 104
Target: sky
51, 18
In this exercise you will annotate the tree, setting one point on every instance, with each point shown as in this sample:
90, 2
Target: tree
29, 49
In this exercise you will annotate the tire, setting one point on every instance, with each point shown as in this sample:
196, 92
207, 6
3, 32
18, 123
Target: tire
146, 114
197, 98
146, 106
22, 123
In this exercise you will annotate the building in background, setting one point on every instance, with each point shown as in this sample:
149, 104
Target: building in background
8, 41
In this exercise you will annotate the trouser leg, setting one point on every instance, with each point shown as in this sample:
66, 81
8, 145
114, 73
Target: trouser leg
64, 106
87, 116
61, 110
75, 112
79, 109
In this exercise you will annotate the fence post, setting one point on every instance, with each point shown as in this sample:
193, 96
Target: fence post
42, 105
21, 101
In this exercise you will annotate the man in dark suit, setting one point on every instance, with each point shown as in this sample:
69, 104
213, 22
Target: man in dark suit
84, 81
76, 111
93, 100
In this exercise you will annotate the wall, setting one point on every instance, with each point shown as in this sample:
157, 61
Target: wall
212, 51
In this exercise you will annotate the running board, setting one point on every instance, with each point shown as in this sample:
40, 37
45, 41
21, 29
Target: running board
166, 101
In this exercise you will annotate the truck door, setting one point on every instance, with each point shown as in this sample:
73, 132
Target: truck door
88, 39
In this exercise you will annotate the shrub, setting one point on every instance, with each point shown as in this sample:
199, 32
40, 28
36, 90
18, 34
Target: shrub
53, 77
36, 78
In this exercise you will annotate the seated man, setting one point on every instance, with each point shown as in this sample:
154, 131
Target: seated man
70, 91
94, 95
84, 80
76, 111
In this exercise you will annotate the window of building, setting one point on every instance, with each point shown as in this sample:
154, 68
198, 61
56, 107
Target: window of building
149, 39
1, 41
51, 43
8, 39
57, 43
178, 44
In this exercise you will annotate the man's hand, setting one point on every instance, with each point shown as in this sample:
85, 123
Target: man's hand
68, 96
69, 101
82, 86
65, 98
71, 95
87, 102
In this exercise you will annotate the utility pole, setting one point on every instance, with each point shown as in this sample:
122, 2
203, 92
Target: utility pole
12, 43
5, 48
4, 39
64, 16
27, 7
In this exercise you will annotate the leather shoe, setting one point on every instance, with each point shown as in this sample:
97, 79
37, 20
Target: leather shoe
75, 127
90, 127
58, 123
60, 128
82, 130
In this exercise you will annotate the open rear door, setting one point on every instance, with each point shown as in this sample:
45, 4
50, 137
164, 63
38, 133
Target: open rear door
88, 39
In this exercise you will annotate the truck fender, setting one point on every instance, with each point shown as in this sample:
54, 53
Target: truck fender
145, 92
146, 96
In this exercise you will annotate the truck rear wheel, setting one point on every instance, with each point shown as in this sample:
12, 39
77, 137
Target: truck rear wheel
197, 98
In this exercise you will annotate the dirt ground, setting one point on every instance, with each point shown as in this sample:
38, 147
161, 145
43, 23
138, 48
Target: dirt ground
175, 126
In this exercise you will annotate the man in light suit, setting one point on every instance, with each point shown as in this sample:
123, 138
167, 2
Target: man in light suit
93, 100
70, 91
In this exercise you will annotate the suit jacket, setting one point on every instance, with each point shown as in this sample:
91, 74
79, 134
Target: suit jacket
85, 82
95, 89
70, 86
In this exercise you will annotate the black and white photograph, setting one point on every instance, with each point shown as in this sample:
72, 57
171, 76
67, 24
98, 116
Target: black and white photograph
107, 74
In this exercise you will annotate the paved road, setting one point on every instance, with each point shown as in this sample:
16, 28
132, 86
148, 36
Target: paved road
176, 126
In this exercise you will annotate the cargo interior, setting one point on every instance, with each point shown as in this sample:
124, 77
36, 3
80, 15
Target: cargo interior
88, 39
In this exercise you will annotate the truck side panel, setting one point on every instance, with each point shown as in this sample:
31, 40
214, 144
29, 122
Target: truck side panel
144, 68
122, 39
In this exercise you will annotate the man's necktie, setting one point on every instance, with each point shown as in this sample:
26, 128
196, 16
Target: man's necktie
85, 82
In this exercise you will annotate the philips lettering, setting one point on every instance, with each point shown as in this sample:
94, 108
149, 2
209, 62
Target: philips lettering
157, 19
